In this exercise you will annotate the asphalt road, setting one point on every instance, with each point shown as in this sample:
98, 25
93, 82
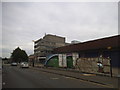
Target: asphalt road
0, 79
0, 74
15, 77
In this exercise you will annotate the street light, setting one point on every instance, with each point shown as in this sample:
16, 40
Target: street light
109, 48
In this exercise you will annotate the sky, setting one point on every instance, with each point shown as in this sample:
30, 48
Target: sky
23, 22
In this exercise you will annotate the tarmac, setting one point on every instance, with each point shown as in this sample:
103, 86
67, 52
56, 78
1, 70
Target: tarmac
110, 82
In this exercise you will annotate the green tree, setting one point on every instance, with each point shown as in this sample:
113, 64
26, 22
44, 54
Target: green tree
19, 55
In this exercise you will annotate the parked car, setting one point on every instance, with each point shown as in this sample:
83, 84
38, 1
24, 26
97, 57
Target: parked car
24, 65
13, 64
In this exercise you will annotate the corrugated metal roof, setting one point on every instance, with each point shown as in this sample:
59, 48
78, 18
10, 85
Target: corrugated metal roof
103, 43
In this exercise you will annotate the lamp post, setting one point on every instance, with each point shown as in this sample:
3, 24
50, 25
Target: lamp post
109, 48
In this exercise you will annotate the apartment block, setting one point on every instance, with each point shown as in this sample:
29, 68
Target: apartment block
44, 46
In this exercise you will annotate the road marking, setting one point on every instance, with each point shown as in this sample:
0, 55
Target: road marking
69, 77
108, 86
88, 74
54, 78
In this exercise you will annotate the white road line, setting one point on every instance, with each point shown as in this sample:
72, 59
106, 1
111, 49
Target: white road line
67, 77
54, 78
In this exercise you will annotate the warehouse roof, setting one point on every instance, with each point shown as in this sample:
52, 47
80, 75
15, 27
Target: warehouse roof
104, 43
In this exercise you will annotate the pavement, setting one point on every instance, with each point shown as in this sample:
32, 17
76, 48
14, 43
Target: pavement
111, 82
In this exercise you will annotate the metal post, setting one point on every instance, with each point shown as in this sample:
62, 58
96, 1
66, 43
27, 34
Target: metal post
110, 68
33, 63
109, 49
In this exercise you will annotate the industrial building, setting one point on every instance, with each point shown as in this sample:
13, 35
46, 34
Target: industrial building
107, 47
104, 50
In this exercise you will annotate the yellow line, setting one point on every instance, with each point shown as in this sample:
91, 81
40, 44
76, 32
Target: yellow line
109, 86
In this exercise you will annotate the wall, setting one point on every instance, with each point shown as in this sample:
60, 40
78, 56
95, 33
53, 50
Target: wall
91, 65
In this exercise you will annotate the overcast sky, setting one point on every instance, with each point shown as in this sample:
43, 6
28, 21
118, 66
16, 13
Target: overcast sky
23, 22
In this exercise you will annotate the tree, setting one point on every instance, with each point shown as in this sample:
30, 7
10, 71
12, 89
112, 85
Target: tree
19, 55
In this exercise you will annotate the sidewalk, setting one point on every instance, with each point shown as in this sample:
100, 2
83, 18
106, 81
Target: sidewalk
111, 82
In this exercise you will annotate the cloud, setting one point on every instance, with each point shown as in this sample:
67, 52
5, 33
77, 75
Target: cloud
83, 21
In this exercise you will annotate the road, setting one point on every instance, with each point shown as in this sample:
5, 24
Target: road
0, 79
15, 77
0, 73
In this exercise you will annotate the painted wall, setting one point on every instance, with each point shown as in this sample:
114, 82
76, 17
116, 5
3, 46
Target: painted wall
62, 60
